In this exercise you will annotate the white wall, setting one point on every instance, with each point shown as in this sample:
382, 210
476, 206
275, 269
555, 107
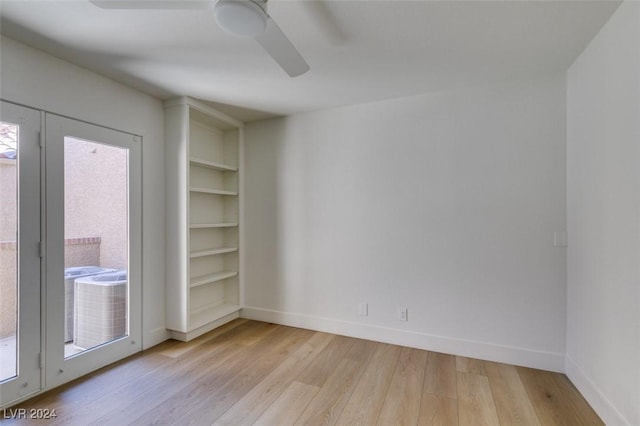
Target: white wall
445, 203
603, 138
36, 79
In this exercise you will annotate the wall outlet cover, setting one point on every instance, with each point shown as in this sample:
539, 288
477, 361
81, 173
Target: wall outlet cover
402, 314
363, 309
560, 239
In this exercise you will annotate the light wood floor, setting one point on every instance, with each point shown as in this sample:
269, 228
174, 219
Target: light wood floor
249, 372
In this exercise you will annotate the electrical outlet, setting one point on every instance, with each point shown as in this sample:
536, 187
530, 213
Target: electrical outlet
560, 239
402, 314
363, 309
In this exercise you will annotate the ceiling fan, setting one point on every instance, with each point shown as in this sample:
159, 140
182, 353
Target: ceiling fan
246, 18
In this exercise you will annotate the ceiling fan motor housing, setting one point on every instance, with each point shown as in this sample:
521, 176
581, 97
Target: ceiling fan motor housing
247, 18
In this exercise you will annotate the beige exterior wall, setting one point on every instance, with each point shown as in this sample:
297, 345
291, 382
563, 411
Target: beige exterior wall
8, 261
7, 289
96, 198
8, 222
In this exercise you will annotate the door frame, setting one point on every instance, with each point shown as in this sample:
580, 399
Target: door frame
29, 262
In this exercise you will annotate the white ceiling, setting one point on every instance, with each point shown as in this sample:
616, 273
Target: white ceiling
359, 51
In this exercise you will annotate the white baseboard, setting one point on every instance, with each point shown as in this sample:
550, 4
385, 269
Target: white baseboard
590, 391
549, 361
185, 337
154, 337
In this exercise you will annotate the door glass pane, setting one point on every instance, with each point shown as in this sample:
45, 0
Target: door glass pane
96, 232
8, 250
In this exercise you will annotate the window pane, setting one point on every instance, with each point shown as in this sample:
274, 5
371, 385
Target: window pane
8, 250
96, 244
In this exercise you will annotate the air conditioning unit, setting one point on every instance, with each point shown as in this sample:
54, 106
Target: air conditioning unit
101, 309
70, 275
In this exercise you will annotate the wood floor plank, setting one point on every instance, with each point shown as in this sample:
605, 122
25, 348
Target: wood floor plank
180, 348
438, 410
203, 359
365, 403
325, 363
245, 373
104, 392
402, 404
94, 384
475, 401
328, 404
288, 407
440, 375
72, 402
246, 333
362, 351
251, 406
511, 398
181, 403
583, 410
168, 383
470, 365
220, 398
551, 401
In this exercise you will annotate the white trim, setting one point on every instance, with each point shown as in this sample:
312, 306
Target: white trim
549, 361
241, 221
206, 109
154, 337
594, 396
190, 335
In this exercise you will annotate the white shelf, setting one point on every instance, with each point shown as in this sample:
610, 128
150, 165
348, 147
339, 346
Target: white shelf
211, 278
210, 313
213, 225
203, 163
212, 191
212, 252
212, 165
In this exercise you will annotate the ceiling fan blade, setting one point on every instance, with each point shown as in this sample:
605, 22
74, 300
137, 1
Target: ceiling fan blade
281, 50
153, 4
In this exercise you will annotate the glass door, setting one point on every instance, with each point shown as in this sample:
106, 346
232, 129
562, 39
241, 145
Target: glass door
93, 244
20, 250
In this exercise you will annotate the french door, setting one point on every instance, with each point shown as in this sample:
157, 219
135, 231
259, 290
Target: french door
93, 247
77, 237
20, 236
